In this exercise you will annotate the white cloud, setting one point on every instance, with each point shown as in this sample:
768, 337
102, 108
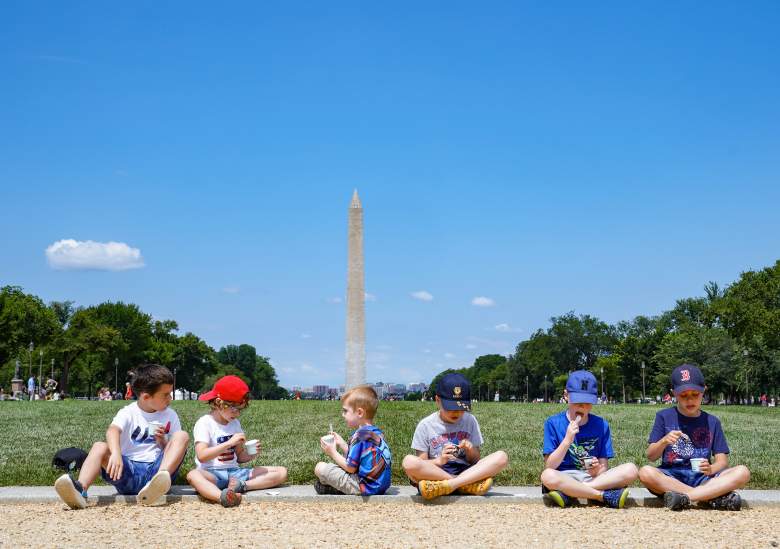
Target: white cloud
305, 336
470, 346
482, 301
370, 297
449, 355
506, 328
231, 289
334, 300
422, 295
69, 254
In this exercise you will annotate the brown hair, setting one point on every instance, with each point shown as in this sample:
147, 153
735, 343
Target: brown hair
362, 396
148, 378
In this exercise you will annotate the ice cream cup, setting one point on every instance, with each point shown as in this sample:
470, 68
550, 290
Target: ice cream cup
328, 439
251, 447
696, 463
154, 426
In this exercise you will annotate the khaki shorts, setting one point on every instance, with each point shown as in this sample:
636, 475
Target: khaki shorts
338, 478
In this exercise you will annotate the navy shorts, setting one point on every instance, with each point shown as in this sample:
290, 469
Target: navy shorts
135, 475
686, 476
455, 467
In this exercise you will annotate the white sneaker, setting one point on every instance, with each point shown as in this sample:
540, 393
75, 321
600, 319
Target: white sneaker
69, 492
155, 488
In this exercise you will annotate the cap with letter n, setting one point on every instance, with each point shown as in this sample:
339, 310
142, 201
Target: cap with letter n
454, 392
687, 377
582, 388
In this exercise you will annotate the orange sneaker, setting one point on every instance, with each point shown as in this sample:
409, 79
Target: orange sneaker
479, 488
430, 489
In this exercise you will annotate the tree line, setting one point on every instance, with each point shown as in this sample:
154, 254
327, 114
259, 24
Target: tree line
731, 333
89, 347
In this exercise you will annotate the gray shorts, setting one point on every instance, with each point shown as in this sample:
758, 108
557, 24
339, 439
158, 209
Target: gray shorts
338, 478
580, 476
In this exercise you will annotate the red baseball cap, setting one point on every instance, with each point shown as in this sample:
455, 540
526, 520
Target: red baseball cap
230, 388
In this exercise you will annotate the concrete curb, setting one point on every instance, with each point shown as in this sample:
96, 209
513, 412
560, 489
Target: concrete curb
106, 495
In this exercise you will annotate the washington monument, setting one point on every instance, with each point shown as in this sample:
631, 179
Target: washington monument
356, 296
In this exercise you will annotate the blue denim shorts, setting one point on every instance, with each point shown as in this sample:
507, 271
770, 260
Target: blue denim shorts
223, 475
686, 475
135, 475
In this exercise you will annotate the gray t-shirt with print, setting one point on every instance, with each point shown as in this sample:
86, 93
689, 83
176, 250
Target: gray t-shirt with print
432, 433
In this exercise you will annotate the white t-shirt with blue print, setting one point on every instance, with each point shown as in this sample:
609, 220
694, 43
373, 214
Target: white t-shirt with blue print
212, 432
135, 441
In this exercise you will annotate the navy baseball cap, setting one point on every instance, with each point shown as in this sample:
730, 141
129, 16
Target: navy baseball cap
687, 377
454, 390
582, 387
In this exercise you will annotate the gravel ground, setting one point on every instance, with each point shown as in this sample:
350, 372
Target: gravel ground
194, 524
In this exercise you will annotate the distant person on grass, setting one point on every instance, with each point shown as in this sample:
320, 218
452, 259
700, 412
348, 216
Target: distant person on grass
362, 467
577, 447
448, 444
144, 445
685, 438
220, 446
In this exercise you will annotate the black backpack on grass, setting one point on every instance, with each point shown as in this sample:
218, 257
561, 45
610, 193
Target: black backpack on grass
69, 459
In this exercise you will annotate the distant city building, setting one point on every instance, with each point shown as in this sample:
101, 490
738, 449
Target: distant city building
320, 390
417, 387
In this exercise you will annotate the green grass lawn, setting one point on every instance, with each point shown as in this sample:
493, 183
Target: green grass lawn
289, 433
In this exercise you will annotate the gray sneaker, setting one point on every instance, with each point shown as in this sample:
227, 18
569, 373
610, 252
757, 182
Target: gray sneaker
727, 502
71, 492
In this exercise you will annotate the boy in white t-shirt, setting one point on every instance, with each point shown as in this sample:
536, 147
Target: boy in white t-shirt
220, 446
144, 445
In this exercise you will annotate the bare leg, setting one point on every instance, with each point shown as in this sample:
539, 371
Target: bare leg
205, 483
96, 459
266, 477
488, 466
174, 451
556, 480
655, 481
418, 469
617, 477
728, 480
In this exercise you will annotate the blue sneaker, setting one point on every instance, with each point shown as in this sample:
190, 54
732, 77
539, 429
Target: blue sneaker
559, 498
616, 498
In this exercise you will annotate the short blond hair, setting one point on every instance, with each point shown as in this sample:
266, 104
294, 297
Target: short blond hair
362, 396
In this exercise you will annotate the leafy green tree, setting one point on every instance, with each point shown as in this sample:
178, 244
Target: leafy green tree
23, 319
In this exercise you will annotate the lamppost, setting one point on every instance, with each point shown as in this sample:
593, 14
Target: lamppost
29, 357
545, 387
526, 389
116, 374
643, 382
602, 381
52, 368
745, 353
40, 369
174, 382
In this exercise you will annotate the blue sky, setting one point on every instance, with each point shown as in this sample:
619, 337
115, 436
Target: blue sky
606, 159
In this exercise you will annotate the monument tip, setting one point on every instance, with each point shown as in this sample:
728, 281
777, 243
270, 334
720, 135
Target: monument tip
355, 200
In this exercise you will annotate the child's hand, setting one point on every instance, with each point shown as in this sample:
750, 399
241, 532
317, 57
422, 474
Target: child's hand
115, 466
705, 467
235, 440
448, 453
672, 437
573, 429
596, 468
465, 444
337, 437
328, 448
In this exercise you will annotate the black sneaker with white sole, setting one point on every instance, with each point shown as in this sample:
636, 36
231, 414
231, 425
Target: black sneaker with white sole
676, 501
325, 489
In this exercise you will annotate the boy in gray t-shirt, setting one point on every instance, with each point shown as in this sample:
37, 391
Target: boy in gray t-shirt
447, 444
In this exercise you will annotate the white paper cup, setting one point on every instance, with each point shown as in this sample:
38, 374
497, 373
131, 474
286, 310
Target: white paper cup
154, 426
696, 463
588, 462
328, 439
251, 447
